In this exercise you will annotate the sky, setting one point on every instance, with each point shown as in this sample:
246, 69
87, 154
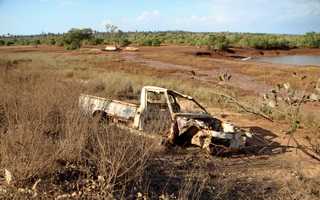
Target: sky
263, 16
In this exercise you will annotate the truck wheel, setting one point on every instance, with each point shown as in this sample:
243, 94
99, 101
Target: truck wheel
99, 117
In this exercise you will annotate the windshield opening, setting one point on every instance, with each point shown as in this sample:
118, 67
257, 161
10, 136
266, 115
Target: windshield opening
181, 104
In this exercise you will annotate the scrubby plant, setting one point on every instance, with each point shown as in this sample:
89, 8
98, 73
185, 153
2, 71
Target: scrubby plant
218, 42
311, 40
73, 39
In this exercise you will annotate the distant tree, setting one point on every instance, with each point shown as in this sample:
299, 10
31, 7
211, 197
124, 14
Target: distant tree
115, 36
124, 41
52, 41
36, 42
73, 39
311, 40
218, 42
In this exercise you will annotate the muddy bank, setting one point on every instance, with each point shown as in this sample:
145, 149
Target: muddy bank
239, 80
240, 53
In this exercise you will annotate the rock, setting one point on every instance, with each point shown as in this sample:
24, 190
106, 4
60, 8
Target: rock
8, 176
34, 187
287, 86
63, 196
314, 97
111, 48
139, 195
272, 104
131, 49
247, 58
2, 190
101, 179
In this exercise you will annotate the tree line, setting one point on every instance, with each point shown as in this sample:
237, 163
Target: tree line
75, 38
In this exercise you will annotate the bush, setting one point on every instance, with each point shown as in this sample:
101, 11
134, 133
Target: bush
73, 45
150, 42
311, 40
218, 42
59, 42
36, 42
9, 42
147, 42
156, 42
2, 43
52, 41
124, 42
97, 41
73, 39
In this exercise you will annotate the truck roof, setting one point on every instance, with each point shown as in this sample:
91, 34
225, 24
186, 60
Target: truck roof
155, 88
160, 89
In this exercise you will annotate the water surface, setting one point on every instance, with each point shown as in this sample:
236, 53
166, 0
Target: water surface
292, 60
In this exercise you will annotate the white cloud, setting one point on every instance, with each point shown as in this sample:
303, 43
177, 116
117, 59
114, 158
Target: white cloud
148, 15
230, 15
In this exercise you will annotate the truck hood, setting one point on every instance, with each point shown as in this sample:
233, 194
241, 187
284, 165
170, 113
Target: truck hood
202, 121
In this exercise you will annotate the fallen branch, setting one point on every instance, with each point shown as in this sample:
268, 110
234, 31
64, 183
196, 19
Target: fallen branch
244, 107
304, 150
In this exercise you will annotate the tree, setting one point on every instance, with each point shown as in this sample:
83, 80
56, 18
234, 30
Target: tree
115, 36
312, 40
73, 39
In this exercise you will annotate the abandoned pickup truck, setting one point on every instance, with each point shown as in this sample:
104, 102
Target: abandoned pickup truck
179, 117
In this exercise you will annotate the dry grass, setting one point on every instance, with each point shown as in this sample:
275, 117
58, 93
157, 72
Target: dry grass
44, 137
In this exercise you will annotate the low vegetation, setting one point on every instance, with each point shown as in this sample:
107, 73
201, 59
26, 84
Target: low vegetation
77, 37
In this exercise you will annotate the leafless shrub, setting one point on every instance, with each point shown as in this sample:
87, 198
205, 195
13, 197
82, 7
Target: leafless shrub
289, 103
120, 157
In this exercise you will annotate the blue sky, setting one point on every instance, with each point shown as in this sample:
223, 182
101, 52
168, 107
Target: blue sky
270, 16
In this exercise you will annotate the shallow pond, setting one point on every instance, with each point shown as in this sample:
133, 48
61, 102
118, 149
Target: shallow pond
292, 60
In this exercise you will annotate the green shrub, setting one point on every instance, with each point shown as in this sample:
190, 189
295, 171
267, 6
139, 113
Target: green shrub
156, 42
9, 42
311, 40
73, 45
2, 43
147, 42
218, 42
73, 39
59, 42
52, 41
124, 42
35, 42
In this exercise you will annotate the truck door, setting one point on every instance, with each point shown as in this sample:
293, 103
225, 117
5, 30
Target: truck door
157, 117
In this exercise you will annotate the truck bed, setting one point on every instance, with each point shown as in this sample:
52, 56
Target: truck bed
118, 109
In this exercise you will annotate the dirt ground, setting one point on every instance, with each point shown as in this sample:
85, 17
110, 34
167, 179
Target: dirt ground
279, 165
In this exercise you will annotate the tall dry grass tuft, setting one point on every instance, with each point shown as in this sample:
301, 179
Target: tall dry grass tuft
121, 159
44, 136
